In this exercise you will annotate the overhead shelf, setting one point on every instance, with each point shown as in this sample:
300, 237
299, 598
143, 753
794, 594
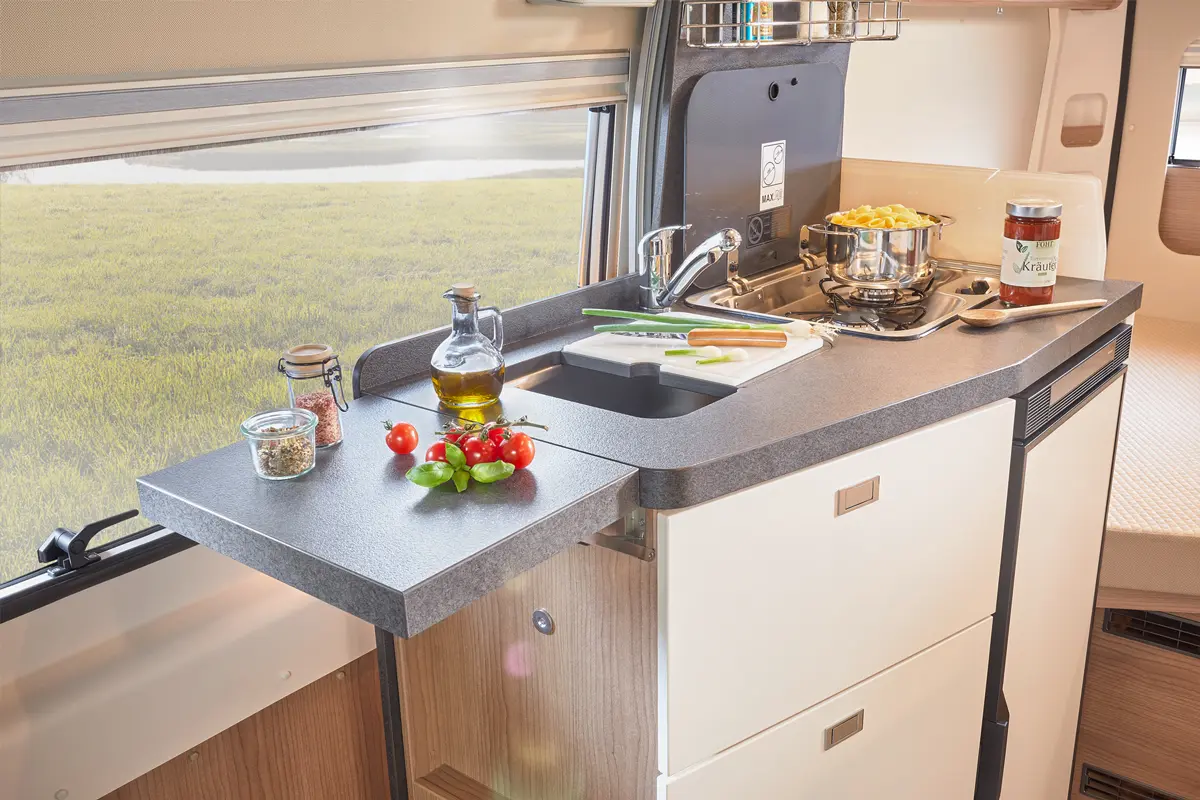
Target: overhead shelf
722, 24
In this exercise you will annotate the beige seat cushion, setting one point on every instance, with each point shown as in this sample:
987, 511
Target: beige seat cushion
1153, 539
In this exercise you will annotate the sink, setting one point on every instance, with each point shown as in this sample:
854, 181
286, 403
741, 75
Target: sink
639, 390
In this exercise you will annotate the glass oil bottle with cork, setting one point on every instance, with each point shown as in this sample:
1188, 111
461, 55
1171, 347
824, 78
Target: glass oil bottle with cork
468, 369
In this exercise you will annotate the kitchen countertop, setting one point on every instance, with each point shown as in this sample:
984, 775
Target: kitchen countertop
832, 402
355, 534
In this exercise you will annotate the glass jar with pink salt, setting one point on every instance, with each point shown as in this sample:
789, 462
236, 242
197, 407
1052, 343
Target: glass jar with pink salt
314, 379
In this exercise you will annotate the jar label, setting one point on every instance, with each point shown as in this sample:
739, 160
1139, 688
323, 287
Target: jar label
1026, 263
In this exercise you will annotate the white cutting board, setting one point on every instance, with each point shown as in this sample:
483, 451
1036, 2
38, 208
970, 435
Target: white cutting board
619, 349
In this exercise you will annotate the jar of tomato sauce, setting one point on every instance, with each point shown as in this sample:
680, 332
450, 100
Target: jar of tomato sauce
1029, 263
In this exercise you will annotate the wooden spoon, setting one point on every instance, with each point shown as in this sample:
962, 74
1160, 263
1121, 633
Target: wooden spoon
991, 317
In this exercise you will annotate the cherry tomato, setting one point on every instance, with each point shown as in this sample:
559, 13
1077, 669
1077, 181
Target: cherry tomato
402, 438
479, 451
436, 452
496, 435
518, 451
452, 437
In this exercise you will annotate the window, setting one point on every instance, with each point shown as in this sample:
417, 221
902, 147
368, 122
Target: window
144, 301
1185, 141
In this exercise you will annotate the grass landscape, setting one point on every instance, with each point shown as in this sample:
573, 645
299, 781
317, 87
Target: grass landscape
141, 323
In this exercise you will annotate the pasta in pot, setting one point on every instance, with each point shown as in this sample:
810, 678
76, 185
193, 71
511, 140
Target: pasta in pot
891, 217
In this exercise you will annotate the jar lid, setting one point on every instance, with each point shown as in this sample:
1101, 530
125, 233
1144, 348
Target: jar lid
1034, 208
307, 360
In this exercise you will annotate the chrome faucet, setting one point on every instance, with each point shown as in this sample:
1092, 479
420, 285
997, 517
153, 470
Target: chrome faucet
661, 286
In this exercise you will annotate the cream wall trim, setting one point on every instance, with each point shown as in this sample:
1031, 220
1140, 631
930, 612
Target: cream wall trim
128, 674
1084, 58
976, 198
1163, 31
57, 42
57, 105
960, 86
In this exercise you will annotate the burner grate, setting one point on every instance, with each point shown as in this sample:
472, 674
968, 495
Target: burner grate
863, 308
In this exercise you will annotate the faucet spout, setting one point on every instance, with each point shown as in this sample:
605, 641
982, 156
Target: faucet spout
661, 286
707, 253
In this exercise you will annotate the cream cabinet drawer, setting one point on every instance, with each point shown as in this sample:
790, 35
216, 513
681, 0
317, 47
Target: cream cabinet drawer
770, 601
910, 733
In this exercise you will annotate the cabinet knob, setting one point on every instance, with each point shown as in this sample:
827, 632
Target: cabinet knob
543, 622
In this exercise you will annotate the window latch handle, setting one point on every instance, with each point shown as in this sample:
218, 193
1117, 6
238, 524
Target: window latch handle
68, 549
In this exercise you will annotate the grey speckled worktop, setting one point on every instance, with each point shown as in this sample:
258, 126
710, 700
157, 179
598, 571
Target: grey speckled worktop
355, 534
839, 399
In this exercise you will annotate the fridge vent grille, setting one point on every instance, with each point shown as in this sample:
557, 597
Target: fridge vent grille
1107, 786
1042, 412
1153, 627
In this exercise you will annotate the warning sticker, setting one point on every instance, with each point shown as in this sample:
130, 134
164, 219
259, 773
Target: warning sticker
772, 168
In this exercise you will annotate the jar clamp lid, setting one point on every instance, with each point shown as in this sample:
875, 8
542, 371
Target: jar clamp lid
1034, 208
306, 361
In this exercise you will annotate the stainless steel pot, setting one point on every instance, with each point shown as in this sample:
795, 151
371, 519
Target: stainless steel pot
879, 258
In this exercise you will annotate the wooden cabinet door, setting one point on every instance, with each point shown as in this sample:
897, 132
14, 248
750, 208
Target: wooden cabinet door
1064, 499
770, 602
919, 738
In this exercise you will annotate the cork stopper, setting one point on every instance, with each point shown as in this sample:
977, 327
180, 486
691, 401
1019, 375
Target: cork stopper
466, 291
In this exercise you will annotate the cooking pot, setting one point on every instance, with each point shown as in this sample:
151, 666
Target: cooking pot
879, 258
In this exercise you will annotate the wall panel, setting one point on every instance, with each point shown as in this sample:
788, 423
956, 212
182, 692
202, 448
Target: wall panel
1163, 31
1179, 222
961, 86
324, 742
57, 42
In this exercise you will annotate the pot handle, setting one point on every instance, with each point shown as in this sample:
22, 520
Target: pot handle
824, 228
945, 222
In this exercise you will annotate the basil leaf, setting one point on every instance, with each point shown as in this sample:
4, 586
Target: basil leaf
455, 457
461, 478
492, 471
430, 474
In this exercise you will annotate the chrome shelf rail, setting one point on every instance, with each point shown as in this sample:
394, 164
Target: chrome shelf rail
723, 24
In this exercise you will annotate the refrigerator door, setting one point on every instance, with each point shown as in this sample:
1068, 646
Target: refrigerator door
1061, 514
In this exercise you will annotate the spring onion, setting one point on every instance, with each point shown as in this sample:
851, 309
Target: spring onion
708, 351
674, 318
736, 354
645, 327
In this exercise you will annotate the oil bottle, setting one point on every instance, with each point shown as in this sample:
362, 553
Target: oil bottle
468, 369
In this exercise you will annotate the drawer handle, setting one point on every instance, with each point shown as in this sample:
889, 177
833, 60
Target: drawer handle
836, 734
855, 497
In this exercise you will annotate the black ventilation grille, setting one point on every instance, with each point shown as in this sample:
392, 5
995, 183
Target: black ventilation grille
1153, 627
1105, 785
1041, 411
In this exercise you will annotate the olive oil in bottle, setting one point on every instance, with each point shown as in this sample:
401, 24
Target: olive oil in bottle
468, 369
468, 389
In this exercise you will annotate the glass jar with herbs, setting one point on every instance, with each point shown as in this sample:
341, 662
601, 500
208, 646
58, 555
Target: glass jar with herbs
314, 379
282, 443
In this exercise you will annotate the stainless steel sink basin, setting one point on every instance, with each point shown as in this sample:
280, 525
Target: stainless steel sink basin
636, 391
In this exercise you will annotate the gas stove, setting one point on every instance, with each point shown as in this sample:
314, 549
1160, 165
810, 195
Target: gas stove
804, 291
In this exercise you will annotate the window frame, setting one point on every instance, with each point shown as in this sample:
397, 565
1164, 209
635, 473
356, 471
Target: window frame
1172, 160
434, 91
